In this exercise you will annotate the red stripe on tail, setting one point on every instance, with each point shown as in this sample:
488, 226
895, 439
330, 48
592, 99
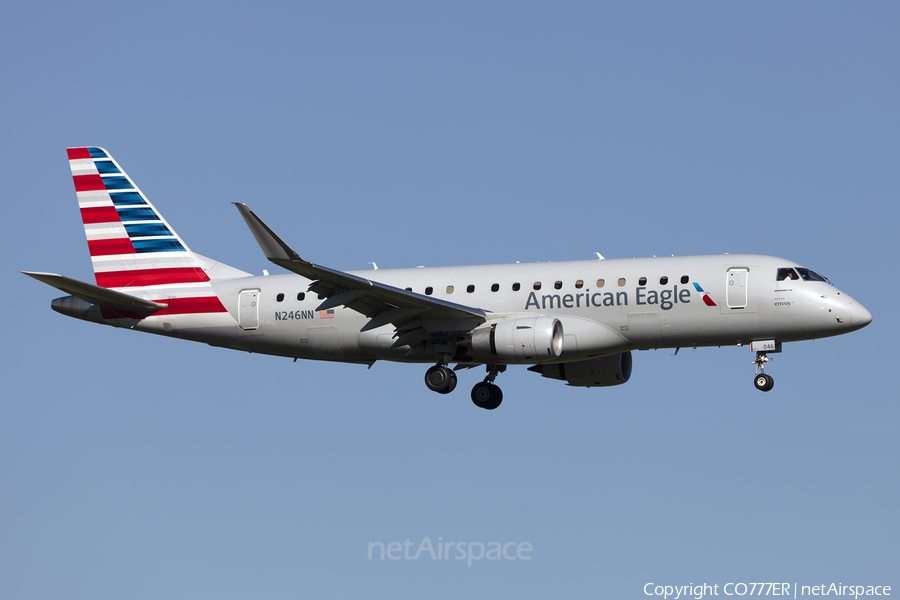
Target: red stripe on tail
111, 246
100, 214
119, 279
176, 306
180, 306
78, 153
88, 183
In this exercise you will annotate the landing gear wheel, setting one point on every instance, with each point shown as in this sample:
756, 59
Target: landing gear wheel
496, 397
487, 395
450, 386
440, 379
481, 393
764, 382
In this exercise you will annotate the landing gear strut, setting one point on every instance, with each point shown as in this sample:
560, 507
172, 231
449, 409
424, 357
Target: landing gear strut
485, 394
763, 382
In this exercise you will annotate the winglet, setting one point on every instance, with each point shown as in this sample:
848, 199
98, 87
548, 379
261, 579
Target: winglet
272, 246
277, 251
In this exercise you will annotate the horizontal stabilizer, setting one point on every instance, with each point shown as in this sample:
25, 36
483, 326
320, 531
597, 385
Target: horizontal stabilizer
93, 294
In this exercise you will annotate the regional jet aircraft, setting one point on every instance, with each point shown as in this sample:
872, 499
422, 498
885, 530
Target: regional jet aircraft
573, 321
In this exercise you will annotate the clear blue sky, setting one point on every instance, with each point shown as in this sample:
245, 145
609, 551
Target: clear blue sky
420, 134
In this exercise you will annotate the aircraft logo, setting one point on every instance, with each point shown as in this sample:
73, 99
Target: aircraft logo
706, 299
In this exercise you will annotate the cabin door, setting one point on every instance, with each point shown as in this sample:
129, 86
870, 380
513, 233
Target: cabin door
736, 288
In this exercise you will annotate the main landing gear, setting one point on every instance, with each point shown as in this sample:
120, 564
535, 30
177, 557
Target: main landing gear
487, 395
763, 382
440, 379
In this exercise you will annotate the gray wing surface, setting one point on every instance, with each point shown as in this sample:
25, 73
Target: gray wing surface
418, 318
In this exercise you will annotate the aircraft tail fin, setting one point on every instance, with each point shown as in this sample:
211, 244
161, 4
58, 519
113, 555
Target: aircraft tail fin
131, 244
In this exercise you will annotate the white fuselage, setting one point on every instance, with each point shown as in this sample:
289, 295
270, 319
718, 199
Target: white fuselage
605, 306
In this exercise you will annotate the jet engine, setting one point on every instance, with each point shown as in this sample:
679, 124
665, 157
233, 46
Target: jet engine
523, 340
597, 372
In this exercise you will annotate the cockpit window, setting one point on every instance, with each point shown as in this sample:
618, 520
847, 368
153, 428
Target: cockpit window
808, 275
787, 273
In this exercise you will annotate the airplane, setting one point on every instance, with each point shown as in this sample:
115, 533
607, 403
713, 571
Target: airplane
574, 321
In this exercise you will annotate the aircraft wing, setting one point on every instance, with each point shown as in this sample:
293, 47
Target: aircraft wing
382, 303
93, 294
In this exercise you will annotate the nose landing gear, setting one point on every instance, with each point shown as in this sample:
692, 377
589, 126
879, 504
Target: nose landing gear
763, 382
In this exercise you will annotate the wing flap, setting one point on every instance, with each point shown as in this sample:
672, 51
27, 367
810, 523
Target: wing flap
397, 316
344, 298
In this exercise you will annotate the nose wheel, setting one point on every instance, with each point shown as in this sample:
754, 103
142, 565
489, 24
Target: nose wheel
763, 382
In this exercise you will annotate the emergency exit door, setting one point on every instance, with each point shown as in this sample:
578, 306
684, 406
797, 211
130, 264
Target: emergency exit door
248, 313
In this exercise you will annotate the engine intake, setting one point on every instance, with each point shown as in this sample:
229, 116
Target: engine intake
524, 340
597, 372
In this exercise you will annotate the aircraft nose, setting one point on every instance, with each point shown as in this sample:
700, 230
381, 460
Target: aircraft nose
859, 315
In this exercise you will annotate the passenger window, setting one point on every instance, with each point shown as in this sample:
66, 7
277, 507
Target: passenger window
579, 284
537, 285
516, 287
642, 281
408, 289
495, 287
558, 285
663, 280
429, 290
685, 279
279, 297
601, 283
621, 282
301, 296
449, 289
787, 273
470, 289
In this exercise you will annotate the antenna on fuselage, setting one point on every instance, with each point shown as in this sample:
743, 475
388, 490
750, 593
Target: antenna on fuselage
599, 256
374, 266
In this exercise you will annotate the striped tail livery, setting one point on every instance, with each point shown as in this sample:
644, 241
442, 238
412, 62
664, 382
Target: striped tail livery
141, 265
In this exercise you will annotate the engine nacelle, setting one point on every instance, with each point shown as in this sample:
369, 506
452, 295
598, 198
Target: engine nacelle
523, 340
597, 372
